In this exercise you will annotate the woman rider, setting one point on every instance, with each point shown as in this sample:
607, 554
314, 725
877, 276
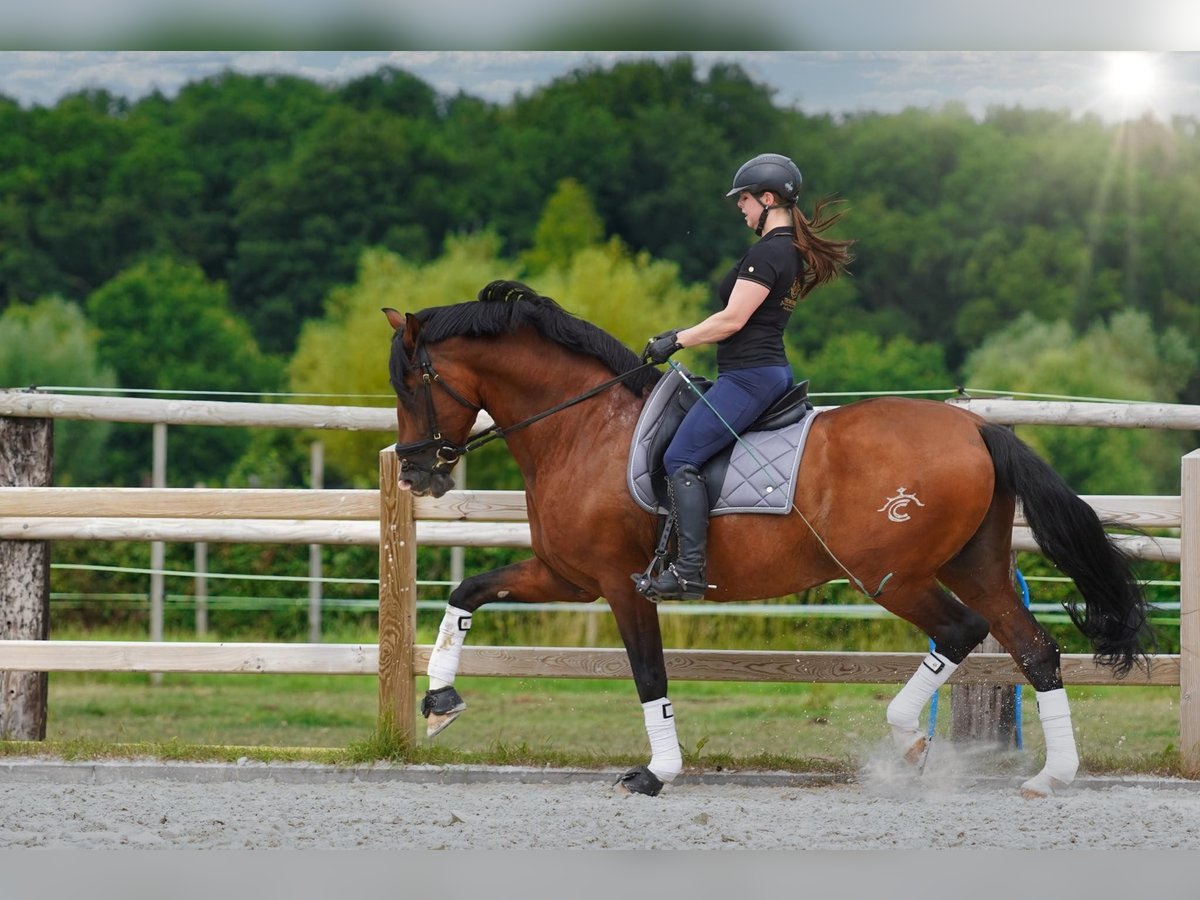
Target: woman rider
756, 297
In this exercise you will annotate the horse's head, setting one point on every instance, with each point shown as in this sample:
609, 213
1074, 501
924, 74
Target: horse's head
433, 419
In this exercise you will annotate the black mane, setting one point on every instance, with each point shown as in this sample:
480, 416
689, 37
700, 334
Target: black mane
502, 308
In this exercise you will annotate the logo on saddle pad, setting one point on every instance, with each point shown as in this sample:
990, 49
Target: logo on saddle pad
897, 507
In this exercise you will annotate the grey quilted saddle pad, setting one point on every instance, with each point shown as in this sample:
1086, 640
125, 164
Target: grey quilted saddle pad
761, 478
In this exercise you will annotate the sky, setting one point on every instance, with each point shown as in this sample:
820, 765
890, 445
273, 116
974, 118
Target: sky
802, 24
1112, 84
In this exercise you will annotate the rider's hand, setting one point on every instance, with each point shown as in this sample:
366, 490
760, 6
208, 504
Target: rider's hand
660, 347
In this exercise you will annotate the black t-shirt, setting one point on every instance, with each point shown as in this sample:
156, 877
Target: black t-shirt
774, 263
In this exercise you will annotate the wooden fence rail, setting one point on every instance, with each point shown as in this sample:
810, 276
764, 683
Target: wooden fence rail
541, 662
461, 518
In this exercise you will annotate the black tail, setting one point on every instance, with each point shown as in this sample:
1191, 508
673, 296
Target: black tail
1114, 617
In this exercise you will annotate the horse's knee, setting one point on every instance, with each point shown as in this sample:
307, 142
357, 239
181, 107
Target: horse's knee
956, 639
474, 591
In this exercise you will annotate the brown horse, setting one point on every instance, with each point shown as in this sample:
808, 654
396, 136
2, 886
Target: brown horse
547, 380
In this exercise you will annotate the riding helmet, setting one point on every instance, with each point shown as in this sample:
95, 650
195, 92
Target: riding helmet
768, 172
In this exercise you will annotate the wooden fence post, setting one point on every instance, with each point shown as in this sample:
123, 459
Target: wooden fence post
984, 712
316, 468
1189, 617
158, 549
26, 460
397, 603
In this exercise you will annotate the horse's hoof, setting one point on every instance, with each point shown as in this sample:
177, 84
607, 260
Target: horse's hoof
912, 744
441, 707
1041, 786
435, 724
639, 780
917, 754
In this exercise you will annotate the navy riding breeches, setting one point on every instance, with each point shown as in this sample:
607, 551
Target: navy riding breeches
740, 396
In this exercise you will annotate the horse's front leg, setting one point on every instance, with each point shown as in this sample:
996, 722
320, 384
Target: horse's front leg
637, 620
529, 581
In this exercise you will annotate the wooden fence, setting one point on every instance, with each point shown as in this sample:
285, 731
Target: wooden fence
399, 522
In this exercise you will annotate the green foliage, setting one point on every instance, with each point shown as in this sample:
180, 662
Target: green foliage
1124, 360
164, 326
569, 223
1041, 275
357, 179
51, 343
631, 296
346, 352
859, 361
275, 185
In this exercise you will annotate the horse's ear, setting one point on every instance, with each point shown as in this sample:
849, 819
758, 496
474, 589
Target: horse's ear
412, 330
394, 317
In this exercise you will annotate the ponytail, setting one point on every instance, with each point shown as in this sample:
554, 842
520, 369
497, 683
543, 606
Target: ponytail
824, 259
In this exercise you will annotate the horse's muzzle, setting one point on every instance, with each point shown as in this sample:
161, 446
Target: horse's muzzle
425, 484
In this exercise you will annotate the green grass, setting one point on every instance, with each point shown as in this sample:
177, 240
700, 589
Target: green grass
332, 719
568, 722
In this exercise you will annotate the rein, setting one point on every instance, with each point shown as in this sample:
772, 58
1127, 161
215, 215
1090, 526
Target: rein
495, 431
449, 452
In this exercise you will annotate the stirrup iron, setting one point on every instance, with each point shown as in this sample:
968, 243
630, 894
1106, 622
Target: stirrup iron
643, 582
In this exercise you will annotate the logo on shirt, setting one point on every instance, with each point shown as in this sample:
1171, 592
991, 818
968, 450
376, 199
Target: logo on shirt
788, 301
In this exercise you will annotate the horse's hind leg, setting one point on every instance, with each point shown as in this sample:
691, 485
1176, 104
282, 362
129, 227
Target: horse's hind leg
983, 581
528, 581
955, 630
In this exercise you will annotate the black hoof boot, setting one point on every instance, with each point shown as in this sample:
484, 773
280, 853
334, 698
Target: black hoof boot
441, 707
640, 780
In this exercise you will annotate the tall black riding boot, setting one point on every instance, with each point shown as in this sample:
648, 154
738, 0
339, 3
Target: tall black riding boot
684, 579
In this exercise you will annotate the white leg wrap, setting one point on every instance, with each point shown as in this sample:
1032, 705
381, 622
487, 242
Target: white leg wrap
904, 712
452, 634
1062, 759
665, 759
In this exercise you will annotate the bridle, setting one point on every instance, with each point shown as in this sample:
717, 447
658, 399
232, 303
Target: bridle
446, 452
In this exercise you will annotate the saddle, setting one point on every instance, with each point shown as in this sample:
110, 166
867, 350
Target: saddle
750, 487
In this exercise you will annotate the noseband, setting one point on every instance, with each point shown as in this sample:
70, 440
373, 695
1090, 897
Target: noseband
446, 452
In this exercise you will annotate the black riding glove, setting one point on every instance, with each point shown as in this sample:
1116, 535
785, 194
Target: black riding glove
660, 347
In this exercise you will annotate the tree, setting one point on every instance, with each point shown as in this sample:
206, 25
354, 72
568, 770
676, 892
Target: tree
51, 343
357, 180
62, 185
860, 362
1049, 273
394, 90
569, 224
1125, 360
232, 127
164, 326
630, 295
346, 351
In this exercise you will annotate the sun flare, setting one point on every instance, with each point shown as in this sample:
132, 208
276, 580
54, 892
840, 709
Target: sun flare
1131, 77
